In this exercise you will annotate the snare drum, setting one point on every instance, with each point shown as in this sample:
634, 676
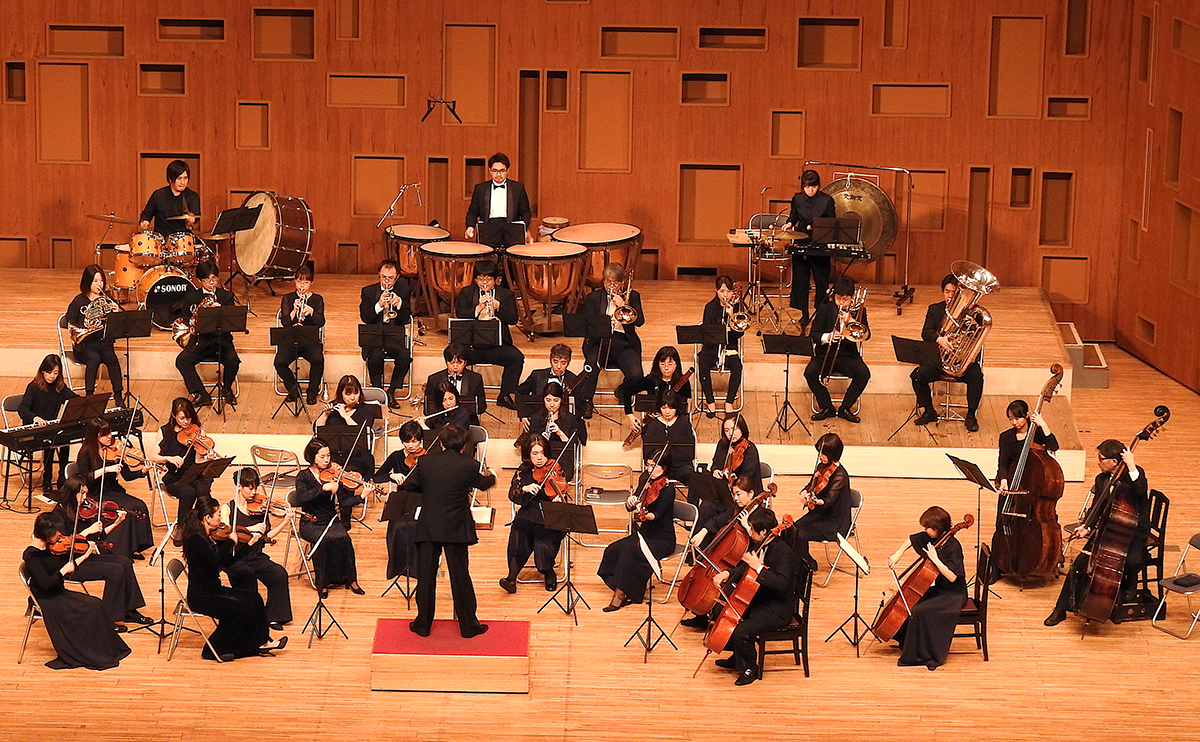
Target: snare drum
446, 268
181, 249
125, 274
403, 243
546, 273
606, 243
550, 225
146, 249
278, 243
162, 290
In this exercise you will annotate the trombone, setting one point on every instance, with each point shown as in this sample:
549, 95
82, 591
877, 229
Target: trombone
849, 326
625, 314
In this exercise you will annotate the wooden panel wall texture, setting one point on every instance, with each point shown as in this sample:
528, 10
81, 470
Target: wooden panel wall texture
312, 146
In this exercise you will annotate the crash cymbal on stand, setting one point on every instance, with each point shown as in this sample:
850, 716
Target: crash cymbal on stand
179, 218
109, 218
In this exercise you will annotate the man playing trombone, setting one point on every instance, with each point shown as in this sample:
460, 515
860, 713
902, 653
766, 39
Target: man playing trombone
622, 305
837, 329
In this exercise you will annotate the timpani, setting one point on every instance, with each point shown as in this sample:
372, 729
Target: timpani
545, 274
446, 269
550, 225
402, 243
606, 242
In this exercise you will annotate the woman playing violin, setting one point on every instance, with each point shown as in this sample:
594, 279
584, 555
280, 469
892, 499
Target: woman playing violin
80, 626
41, 403
333, 562
102, 469
250, 510
925, 637
672, 426
623, 567
538, 479
179, 457
242, 629
827, 495
122, 594
402, 523
555, 425
736, 455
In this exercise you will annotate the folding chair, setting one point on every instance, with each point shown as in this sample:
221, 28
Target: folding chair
33, 611
280, 391
67, 351
612, 485
1181, 583
795, 632
686, 517
182, 611
406, 383
856, 501
25, 464
974, 613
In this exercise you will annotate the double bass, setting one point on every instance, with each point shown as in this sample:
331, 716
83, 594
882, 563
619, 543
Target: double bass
1028, 538
1113, 522
913, 583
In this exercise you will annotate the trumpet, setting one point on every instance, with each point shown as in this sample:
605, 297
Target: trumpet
389, 309
299, 307
486, 298
625, 314
94, 315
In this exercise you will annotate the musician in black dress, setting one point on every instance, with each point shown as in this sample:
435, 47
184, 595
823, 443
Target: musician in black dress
734, 430
623, 567
623, 348
209, 346
349, 412
249, 509
179, 458
717, 312
776, 571
555, 425
122, 593
449, 411
1013, 439
467, 384
446, 480
665, 374
672, 426
173, 199
333, 557
535, 383
924, 376
302, 307
242, 629
93, 350
103, 480
80, 626
487, 300
810, 203
41, 404
827, 495
1132, 486
402, 523
530, 487
828, 333
925, 637
388, 302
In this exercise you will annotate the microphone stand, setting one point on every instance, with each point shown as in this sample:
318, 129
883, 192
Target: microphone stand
392, 208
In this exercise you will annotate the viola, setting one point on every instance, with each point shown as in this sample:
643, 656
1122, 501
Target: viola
698, 592
126, 454
818, 482
88, 509
351, 480
410, 458
647, 498
735, 457
193, 437
550, 476
62, 543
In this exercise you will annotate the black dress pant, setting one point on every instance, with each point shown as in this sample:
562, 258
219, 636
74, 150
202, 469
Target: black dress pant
924, 376
803, 268
708, 362
507, 356
527, 537
401, 361
92, 356
742, 642
429, 555
847, 364
286, 355
256, 567
207, 348
617, 353
48, 466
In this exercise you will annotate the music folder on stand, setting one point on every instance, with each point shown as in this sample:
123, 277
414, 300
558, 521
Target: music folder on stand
221, 319
568, 518
295, 337
861, 567
787, 346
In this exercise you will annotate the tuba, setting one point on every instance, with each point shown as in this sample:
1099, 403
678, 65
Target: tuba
966, 323
182, 330
94, 315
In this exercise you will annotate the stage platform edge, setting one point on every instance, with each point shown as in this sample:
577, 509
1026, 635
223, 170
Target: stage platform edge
495, 662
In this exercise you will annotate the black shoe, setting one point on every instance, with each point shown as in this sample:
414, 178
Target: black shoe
587, 413
275, 626
848, 416
417, 629
1055, 618
231, 399
804, 320
510, 586
120, 628
971, 423
138, 618
748, 676
612, 607
138, 556
726, 663
824, 414
293, 396
507, 402
312, 398
393, 403
201, 399
228, 657
699, 622
551, 582
475, 631
356, 589
928, 416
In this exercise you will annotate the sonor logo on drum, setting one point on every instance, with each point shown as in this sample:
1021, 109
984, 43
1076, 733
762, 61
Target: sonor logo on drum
164, 288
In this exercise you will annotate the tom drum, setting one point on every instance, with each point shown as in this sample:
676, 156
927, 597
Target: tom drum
606, 243
279, 242
181, 249
146, 249
161, 290
125, 274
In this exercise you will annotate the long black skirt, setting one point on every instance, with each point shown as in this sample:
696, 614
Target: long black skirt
134, 535
241, 621
624, 566
333, 561
925, 637
82, 632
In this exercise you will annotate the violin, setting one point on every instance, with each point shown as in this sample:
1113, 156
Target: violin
126, 454
820, 480
551, 478
224, 532
351, 480
735, 457
62, 543
410, 458
193, 437
88, 509
647, 497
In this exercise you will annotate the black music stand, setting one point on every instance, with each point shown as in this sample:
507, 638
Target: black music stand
391, 340
402, 505
528, 406
568, 518
210, 320
917, 353
787, 346
82, 409
500, 235
230, 221
295, 337
972, 473
317, 619
474, 332
342, 439
125, 325
649, 641
591, 327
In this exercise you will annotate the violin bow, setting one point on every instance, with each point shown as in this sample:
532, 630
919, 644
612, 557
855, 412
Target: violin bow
358, 436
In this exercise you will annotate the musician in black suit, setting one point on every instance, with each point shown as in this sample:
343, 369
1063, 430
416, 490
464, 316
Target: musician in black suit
717, 312
485, 300
445, 480
773, 603
810, 203
302, 307
390, 295
209, 346
467, 383
535, 383
826, 332
924, 376
623, 348
498, 201
1132, 486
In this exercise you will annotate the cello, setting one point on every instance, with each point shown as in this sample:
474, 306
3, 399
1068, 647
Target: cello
1028, 539
1113, 519
913, 583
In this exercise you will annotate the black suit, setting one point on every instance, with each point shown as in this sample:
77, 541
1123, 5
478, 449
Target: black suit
804, 210
505, 354
621, 350
210, 346
924, 376
445, 480
285, 355
847, 362
471, 388
770, 608
368, 312
535, 384
518, 208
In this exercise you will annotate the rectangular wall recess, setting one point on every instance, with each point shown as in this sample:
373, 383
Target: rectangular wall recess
162, 79
86, 41
895, 24
1144, 329
1061, 107
888, 99
1056, 209
1174, 147
709, 201
253, 125
605, 121
284, 33
787, 133
62, 105
1015, 81
639, 43
474, 171
14, 252
744, 39
1185, 39
1067, 280
1076, 44
366, 91
437, 189
556, 90
829, 43
1133, 239
374, 180
1020, 191
469, 73
14, 82
529, 119
349, 23
191, 29
979, 204
1185, 249
705, 88
929, 200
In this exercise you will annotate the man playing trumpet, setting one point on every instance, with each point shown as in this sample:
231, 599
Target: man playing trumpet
387, 302
301, 307
837, 329
486, 300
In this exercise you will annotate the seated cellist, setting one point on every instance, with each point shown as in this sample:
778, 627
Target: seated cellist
925, 637
743, 495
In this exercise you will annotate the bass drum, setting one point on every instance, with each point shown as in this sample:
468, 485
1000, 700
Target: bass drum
279, 242
162, 290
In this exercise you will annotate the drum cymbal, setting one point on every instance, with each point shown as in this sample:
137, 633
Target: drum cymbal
179, 218
109, 218
215, 236
858, 197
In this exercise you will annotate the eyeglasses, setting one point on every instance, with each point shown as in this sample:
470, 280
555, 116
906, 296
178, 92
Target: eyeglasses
499, 170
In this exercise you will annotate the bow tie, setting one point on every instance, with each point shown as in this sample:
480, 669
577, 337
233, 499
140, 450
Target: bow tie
455, 379
496, 187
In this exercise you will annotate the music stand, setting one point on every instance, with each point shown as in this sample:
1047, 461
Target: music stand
402, 505
917, 353
861, 567
223, 319
391, 340
501, 235
591, 327
82, 409
568, 518
295, 337
972, 473
649, 642
787, 346
125, 325
836, 230
237, 219
316, 619
528, 406
474, 332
